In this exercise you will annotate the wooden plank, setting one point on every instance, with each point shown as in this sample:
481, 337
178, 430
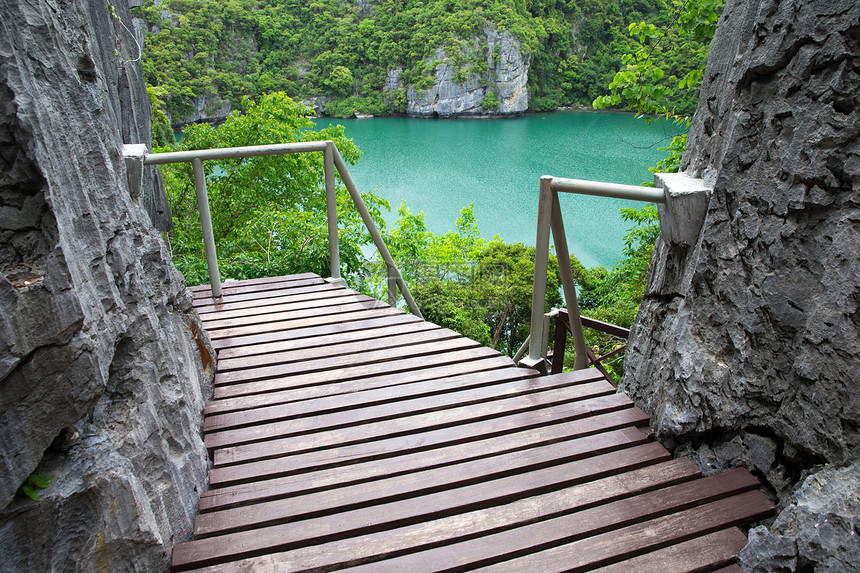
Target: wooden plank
310, 290
442, 446
369, 321
252, 429
594, 551
612, 329
568, 404
229, 289
328, 343
449, 388
260, 312
258, 281
273, 298
361, 346
550, 466
284, 320
426, 507
280, 330
352, 372
405, 394
374, 545
450, 343
613, 427
704, 553
584, 539
291, 311
488, 363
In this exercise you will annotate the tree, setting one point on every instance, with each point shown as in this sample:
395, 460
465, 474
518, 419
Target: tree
643, 86
268, 213
481, 289
340, 81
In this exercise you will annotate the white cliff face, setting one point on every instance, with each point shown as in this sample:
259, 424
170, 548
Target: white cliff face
506, 78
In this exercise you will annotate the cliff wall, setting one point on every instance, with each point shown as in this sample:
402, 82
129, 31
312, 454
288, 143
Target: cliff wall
746, 347
103, 370
506, 79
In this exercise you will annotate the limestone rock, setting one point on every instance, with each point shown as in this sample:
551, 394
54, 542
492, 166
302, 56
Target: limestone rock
506, 78
765, 332
209, 107
98, 339
817, 530
746, 347
392, 80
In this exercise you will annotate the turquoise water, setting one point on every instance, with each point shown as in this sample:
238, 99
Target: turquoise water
440, 166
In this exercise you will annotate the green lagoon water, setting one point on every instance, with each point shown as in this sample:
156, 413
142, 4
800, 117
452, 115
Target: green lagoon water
438, 166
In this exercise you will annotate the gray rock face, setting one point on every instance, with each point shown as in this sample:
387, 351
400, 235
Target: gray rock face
745, 350
209, 107
506, 77
818, 528
101, 353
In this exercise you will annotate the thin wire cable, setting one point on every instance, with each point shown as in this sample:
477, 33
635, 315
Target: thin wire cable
133, 37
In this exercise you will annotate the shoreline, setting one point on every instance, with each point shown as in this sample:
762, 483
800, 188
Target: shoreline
177, 127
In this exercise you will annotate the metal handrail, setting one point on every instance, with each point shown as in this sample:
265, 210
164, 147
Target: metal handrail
549, 219
331, 160
562, 326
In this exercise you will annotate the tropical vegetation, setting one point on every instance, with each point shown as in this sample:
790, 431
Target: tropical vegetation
203, 52
269, 213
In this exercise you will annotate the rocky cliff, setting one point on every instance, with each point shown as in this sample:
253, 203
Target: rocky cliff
458, 92
103, 366
746, 347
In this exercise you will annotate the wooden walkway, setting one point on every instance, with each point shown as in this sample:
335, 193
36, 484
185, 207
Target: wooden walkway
348, 435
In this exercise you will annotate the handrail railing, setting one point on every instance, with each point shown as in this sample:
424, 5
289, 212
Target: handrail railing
550, 220
332, 160
562, 327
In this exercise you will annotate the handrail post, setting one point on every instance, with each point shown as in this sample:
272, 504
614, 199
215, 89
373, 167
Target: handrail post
331, 213
391, 275
374, 232
535, 358
206, 224
331, 160
580, 359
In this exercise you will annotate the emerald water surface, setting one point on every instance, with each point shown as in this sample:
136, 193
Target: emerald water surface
438, 166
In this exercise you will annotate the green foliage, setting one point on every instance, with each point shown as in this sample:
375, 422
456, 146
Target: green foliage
482, 289
215, 49
398, 100
162, 133
491, 102
34, 482
268, 213
642, 84
672, 162
347, 107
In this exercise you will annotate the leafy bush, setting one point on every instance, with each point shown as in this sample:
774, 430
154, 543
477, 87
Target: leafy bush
482, 289
34, 481
491, 102
268, 213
